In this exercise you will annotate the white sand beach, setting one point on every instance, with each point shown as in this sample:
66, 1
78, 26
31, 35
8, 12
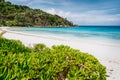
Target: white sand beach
107, 52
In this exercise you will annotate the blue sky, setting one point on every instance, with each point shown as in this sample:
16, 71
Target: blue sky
82, 12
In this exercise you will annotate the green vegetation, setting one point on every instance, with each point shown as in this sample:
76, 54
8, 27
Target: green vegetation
1, 34
43, 63
17, 15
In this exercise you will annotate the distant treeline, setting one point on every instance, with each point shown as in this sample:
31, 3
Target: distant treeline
19, 15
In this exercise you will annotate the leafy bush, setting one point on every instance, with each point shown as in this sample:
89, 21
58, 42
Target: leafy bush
58, 63
39, 47
13, 46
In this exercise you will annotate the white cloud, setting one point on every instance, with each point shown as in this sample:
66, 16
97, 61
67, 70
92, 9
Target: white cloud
51, 11
58, 12
18, 0
22, 0
41, 2
93, 17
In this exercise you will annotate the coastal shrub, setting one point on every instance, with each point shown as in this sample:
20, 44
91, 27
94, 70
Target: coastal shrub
13, 46
56, 63
39, 47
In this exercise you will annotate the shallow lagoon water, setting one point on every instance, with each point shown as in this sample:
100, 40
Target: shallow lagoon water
101, 32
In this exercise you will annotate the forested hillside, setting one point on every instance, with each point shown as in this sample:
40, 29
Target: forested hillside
19, 15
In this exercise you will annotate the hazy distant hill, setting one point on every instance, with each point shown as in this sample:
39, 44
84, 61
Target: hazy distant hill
18, 15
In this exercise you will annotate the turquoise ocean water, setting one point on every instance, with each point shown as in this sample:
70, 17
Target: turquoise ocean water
99, 32
108, 37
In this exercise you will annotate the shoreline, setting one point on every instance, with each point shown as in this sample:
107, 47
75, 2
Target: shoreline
100, 51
